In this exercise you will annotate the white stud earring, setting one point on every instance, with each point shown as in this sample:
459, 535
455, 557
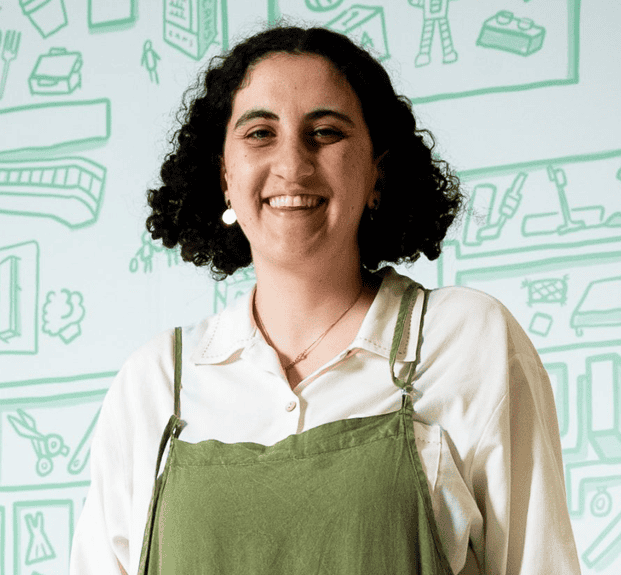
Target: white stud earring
229, 217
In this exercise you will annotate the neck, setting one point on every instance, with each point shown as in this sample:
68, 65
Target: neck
296, 305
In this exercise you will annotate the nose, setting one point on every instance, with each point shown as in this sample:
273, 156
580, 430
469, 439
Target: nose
293, 160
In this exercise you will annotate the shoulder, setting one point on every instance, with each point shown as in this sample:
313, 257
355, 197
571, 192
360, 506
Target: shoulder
458, 316
148, 371
471, 317
157, 349
142, 378
473, 350
156, 356
450, 300
465, 303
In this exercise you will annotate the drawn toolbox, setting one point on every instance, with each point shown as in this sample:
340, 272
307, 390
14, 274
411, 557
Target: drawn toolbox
57, 72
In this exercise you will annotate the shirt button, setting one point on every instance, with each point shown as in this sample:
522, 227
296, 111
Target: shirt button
291, 406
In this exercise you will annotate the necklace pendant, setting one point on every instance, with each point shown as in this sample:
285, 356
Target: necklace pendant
312, 346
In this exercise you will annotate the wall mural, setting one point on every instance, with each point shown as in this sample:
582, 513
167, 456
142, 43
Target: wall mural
88, 96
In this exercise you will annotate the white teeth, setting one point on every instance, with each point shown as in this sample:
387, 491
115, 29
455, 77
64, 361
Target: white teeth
303, 201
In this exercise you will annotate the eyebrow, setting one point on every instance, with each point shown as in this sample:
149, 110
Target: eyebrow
314, 115
254, 113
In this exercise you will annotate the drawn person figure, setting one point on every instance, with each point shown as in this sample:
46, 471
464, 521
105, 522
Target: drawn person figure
144, 254
339, 417
435, 15
149, 60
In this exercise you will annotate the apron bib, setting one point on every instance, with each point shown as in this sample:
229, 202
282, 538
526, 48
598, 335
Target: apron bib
348, 497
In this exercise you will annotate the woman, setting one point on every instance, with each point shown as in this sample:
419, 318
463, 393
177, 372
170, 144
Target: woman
337, 419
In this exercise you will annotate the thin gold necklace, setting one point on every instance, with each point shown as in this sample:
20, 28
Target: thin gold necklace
312, 346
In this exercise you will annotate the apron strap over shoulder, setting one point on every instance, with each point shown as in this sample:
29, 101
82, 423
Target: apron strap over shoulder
408, 300
177, 371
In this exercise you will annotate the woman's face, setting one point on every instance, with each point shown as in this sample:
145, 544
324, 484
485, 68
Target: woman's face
298, 162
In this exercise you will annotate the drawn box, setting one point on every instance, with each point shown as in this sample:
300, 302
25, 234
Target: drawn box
559, 379
104, 14
600, 305
10, 325
604, 378
367, 24
48, 443
57, 72
47, 16
541, 324
84, 122
190, 25
43, 532
19, 277
506, 32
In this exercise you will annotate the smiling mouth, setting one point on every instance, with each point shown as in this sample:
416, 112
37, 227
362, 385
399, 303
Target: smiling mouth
303, 201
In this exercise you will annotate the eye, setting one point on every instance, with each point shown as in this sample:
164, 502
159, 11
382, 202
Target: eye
327, 135
259, 134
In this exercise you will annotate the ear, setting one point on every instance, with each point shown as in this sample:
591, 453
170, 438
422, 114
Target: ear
223, 182
375, 197
377, 161
374, 200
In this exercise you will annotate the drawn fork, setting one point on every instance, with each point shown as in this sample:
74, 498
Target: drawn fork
9, 53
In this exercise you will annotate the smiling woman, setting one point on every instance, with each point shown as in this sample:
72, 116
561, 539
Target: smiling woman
340, 418
299, 170
421, 196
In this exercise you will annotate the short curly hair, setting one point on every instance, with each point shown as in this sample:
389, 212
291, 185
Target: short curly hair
420, 195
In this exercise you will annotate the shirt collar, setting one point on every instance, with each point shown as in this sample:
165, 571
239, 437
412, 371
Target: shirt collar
233, 330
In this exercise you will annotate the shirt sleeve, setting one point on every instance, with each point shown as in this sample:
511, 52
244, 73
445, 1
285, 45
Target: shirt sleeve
518, 479
100, 542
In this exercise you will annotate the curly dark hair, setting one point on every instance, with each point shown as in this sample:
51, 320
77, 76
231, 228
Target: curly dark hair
420, 195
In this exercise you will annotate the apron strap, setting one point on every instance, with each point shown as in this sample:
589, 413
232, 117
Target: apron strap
175, 424
410, 297
178, 372
173, 427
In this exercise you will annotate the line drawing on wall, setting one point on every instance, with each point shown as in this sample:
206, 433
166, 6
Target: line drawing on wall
8, 52
46, 446
192, 26
63, 312
19, 298
46, 17
56, 72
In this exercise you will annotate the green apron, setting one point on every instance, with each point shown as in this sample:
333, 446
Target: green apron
348, 497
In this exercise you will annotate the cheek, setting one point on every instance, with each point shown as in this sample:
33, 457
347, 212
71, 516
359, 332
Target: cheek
234, 161
358, 160
241, 171
345, 164
360, 174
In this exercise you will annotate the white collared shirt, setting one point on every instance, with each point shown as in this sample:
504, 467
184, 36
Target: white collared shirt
485, 425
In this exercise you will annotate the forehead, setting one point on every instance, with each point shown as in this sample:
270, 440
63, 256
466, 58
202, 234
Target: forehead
304, 80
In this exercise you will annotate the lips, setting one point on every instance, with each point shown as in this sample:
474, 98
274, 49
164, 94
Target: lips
301, 201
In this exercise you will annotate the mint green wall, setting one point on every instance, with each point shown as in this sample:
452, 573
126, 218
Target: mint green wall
525, 104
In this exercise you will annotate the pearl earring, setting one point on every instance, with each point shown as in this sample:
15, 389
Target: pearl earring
229, 217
